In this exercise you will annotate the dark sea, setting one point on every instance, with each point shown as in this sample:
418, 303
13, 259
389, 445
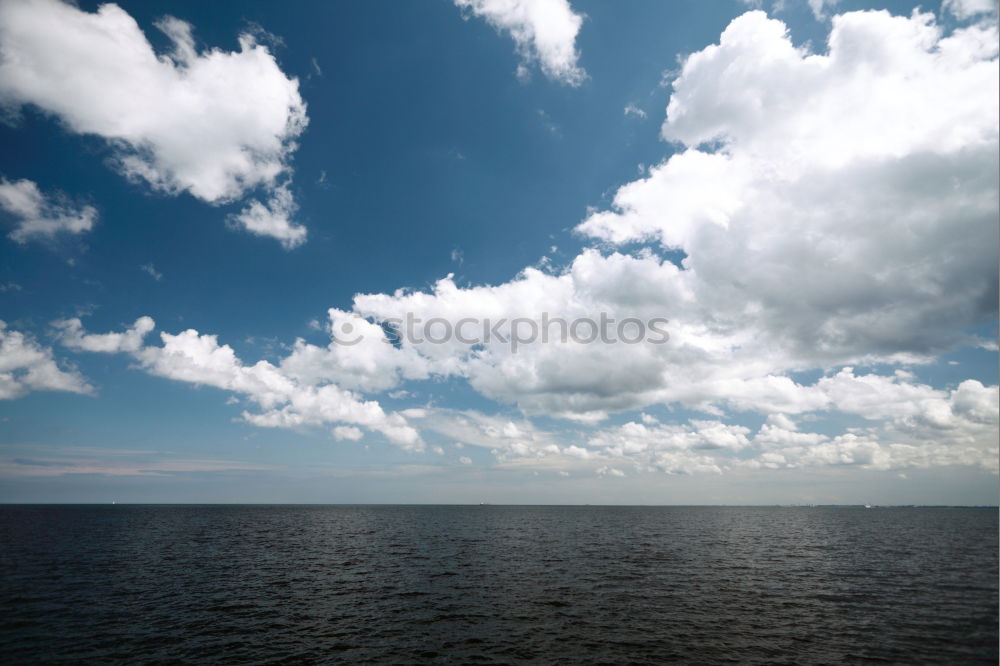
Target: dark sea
497, 584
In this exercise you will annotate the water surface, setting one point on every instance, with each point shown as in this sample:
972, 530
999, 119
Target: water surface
497, 584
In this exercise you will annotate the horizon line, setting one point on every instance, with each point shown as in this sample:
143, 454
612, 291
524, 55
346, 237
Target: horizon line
492, 504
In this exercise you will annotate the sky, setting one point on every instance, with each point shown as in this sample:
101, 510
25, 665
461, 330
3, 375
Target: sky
254, 254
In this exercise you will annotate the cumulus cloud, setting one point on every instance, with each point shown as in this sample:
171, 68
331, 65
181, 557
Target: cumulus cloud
273, 218
72, 335
808, 229
638, 437
508, 439
704, 366
807, 208
37, 216
215, 124
867, 452
559, 377
26, 365
284, 401
817, 231
913, 425
356, 358
544, 31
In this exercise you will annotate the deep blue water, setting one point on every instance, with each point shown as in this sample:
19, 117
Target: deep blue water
497, 584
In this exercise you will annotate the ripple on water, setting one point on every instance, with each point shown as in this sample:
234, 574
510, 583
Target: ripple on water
497, 584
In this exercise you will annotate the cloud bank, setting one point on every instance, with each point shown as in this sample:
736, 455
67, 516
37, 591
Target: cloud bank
819, 212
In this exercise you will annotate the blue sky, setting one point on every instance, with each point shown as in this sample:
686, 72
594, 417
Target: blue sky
814, 213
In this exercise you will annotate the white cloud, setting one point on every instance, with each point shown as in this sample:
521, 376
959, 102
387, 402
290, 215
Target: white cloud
820, 233
38, 216
284, 401
199, 359
633, 110
819, 7
914, 426
506, 438
216, 124
367, 365
72, 335
684, 463
273, 218
815, 214
867, 452
577, 380
966, 9
772, 436
755, 60
544, 31
627, 440
27, 366
703, 366
347, 433
465, 460
150, 270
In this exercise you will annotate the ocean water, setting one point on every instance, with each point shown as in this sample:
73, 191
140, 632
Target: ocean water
497, 584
